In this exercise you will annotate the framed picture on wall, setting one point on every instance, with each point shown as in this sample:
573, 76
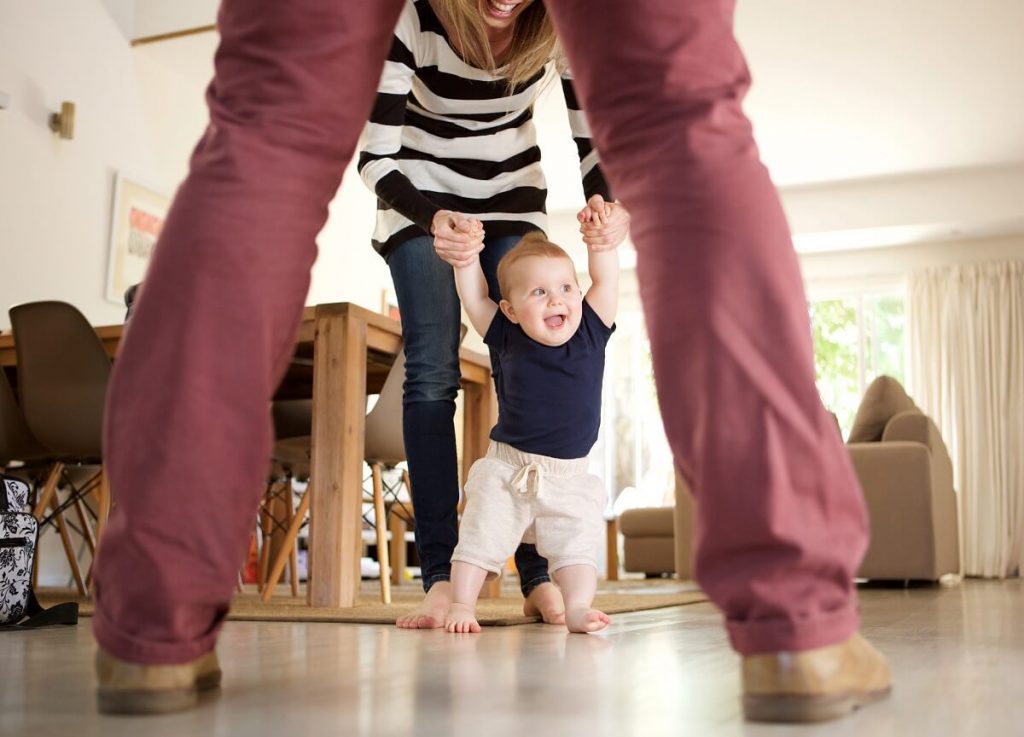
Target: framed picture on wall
137, 217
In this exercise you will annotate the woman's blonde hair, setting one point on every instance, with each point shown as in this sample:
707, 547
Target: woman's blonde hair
532, 244
534, 42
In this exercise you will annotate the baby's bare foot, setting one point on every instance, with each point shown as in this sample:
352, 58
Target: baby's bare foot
461, 618
431, 611
545, 601
585, 620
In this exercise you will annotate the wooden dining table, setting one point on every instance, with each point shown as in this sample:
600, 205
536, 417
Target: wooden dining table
343, 353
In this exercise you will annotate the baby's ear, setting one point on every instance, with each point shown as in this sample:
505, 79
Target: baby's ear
508, 311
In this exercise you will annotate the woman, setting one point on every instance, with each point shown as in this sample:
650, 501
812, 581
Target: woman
450, 150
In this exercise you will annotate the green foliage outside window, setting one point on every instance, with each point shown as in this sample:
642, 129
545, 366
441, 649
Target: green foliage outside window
855, 340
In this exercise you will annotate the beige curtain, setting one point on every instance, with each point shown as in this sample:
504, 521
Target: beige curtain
966, 326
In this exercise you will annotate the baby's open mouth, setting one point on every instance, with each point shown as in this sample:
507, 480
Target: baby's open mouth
555, 321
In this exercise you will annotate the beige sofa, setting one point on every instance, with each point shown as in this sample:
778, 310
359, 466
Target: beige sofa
648, 540
907, 477
650, 543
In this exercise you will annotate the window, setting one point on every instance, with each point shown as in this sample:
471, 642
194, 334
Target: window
856, 338
632, 454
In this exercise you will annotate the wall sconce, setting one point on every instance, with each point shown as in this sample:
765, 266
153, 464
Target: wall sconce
63, 123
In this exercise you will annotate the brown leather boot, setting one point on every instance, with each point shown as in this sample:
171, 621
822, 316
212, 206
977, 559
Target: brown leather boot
134, 688
814, 685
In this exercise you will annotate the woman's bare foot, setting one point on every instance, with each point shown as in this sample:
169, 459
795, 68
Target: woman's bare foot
461, 618
431, 611
545, 601
585, 620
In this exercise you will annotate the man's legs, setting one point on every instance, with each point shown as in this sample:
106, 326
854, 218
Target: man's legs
187, 434
781, 523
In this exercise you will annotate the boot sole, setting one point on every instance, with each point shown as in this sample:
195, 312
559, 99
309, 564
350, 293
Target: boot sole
146, 702
156, 702
807, 708
208, 681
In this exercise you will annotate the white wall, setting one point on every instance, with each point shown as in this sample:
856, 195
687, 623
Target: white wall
138, 114
157, 17
827, 274
55, 195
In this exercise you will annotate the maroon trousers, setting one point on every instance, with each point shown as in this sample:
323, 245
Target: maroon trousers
781, 525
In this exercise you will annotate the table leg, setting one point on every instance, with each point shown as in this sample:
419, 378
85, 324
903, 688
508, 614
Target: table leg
339, 414
479, 414
612, 534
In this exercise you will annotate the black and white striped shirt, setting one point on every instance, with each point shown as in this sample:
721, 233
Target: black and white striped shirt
444, 135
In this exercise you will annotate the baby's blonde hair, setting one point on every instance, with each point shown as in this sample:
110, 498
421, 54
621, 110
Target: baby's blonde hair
532, 244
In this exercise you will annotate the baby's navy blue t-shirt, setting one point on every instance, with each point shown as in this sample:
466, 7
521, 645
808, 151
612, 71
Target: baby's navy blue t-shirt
549, 397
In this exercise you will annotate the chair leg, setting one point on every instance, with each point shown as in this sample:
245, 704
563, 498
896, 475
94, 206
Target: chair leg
289, 541
90, 538
69, 550
293, 569
48, 492
293, 552
380, 524
266, 525
83, 520
102, 492
397, 527
105, 502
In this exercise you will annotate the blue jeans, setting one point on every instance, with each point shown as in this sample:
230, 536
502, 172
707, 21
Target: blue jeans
431, 317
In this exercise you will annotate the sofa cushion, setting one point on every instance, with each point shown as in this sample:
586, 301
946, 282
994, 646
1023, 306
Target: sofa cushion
884, 398
647, 522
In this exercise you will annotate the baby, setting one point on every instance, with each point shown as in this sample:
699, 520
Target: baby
533, 486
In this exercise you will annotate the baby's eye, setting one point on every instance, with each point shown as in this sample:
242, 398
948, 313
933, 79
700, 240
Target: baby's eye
567, 288
538, 292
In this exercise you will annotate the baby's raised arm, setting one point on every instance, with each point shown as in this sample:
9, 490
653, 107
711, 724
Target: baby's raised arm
603, 295
471, 285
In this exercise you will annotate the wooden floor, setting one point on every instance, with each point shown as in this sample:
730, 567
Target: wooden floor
957, 655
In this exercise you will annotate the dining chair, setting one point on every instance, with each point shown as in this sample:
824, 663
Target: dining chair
293, 455
17, 444
385, 449
290, 462
63, 372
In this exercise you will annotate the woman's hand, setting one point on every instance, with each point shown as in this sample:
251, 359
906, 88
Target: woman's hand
458, 239
604, 225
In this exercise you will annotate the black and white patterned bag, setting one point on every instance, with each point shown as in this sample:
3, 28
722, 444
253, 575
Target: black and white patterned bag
18, 534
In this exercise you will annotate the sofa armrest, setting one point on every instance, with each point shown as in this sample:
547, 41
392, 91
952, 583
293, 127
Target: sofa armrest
909, 511
896, 479
912, 426
683, 525
915, 426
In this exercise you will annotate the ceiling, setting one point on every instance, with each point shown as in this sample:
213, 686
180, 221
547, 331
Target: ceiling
849, 90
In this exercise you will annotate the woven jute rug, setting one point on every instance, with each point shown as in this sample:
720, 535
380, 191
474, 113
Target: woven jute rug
613, 597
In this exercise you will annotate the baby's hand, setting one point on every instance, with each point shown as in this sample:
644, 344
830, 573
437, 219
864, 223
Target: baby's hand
471, 227
457, 239
604, 225
596, 212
